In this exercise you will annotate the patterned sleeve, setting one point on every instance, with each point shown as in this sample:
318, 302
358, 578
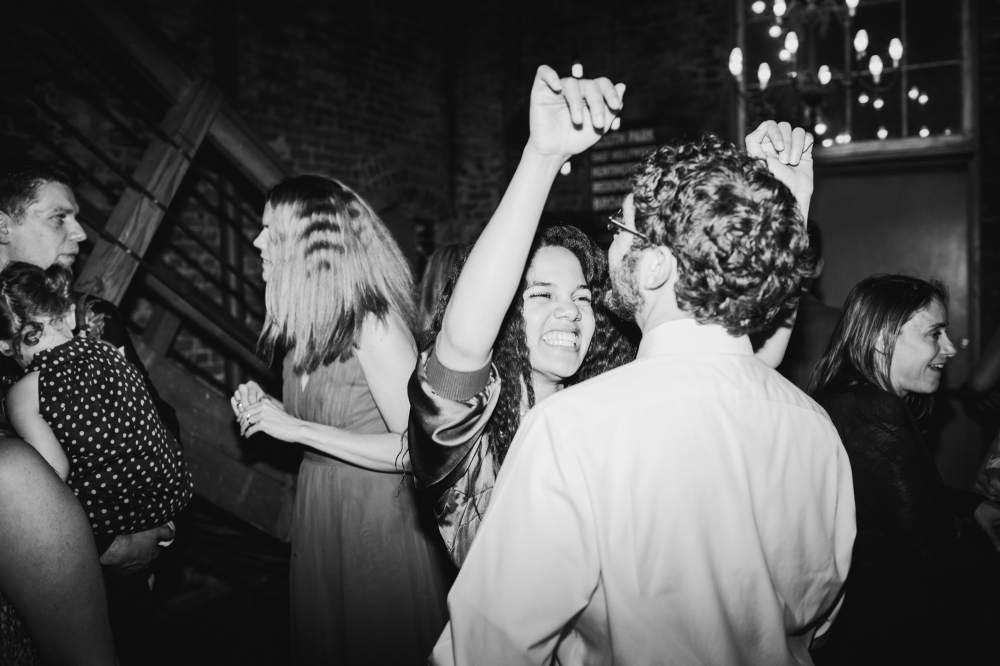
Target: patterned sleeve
449, 453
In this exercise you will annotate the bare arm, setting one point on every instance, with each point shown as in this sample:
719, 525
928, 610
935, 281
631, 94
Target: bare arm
22, 408
567, 116
387, 355
48, 562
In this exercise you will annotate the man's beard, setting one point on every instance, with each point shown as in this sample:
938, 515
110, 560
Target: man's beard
625, 299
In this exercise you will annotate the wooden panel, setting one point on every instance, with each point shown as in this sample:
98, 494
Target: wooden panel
136, 218
259, 494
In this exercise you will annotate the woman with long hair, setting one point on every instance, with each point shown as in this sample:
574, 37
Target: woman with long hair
367, 583
525, 317
908, 597
439, 267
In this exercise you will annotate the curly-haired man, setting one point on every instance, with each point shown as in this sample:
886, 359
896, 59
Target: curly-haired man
693, 506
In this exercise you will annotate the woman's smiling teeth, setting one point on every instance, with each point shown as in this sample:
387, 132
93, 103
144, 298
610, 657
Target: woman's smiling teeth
561, 339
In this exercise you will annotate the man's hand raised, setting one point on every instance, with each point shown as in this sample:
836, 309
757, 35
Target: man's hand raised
569, 115
789, 156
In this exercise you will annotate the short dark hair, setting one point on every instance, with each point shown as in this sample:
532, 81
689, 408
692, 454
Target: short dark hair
735, 230
861, 347
19, 185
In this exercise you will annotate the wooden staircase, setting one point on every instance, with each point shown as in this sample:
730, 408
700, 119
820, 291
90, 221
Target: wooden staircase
146, 214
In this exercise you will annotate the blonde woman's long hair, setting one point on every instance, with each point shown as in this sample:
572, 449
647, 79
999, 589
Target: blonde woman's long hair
333, 263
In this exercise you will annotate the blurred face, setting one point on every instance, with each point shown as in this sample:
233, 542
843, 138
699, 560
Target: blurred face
263, 243
625, 299
49, 232
558, 317
921, 352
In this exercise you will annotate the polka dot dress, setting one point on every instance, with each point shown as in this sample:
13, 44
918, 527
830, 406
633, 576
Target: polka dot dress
125, 468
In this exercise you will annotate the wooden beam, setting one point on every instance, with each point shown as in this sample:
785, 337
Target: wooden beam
161, 330
229, 133
257, 493
136, 217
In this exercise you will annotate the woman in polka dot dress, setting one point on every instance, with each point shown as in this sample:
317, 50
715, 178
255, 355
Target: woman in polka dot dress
85, 408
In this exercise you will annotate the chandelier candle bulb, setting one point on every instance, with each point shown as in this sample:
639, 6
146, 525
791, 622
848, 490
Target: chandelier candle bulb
882, 132
792, 42
863, 98
784, 55
779, 8
758, 7
896, 51
852, 6
861, 43
825, 75
736, 62
914, 93
875, 67
775, 31
878, 103
923, 98
763, 74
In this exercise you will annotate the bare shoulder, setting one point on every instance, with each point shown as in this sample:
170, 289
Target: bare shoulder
385, 335
24, 392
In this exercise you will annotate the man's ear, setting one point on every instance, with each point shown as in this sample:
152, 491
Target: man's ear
656, 266
6, 222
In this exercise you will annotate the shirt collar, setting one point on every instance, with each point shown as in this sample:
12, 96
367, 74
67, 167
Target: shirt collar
686, 336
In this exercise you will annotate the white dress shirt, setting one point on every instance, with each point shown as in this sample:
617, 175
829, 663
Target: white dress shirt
691, 507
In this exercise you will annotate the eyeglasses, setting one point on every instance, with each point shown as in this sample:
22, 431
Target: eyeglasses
616, 224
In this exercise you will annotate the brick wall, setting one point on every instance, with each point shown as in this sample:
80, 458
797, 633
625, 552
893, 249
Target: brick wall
989, 121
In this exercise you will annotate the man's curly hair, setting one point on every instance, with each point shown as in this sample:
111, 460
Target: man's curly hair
735, 230
609, 348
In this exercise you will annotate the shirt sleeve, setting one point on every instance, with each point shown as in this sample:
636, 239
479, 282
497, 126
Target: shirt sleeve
449, 411
116, 333
534, 565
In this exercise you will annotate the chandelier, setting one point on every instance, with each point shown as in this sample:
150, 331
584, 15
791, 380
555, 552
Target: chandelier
817, 73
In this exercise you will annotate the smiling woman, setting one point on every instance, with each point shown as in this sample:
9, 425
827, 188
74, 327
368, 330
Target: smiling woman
504, 337
915, 593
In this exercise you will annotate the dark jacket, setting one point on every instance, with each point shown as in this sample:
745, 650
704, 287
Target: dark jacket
908, 593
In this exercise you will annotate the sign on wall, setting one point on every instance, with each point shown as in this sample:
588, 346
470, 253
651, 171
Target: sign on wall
611, 162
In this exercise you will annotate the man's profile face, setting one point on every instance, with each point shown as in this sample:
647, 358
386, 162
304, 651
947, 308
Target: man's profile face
48, 232
624, 299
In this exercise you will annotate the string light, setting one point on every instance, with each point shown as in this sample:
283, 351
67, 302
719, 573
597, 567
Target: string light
896, 51
775, 31
878, 103
784, 55
914, 93
758, 7
792, 42
882, 132
852, 6
827, 143
875, 67
565, 169
924, 132
577, 70
763, 74
861, 43
825, 75
923, 98
736, 62
779, 8
843, 138
863, 98
820, 128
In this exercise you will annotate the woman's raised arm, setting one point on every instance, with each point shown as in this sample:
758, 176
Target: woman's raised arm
567, 116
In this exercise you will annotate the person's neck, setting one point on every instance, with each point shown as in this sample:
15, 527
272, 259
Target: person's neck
659, 312
543, 386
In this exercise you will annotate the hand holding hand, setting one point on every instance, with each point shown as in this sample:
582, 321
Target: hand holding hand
130, 553
988, 484
789, 156
988, 517
245, 395
570, 115
268, 416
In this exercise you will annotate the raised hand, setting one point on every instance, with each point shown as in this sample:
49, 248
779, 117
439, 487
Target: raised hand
569, 115
789, 156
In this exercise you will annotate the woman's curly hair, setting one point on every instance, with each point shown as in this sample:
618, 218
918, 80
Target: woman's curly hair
609, 348
735, 230
30, 296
